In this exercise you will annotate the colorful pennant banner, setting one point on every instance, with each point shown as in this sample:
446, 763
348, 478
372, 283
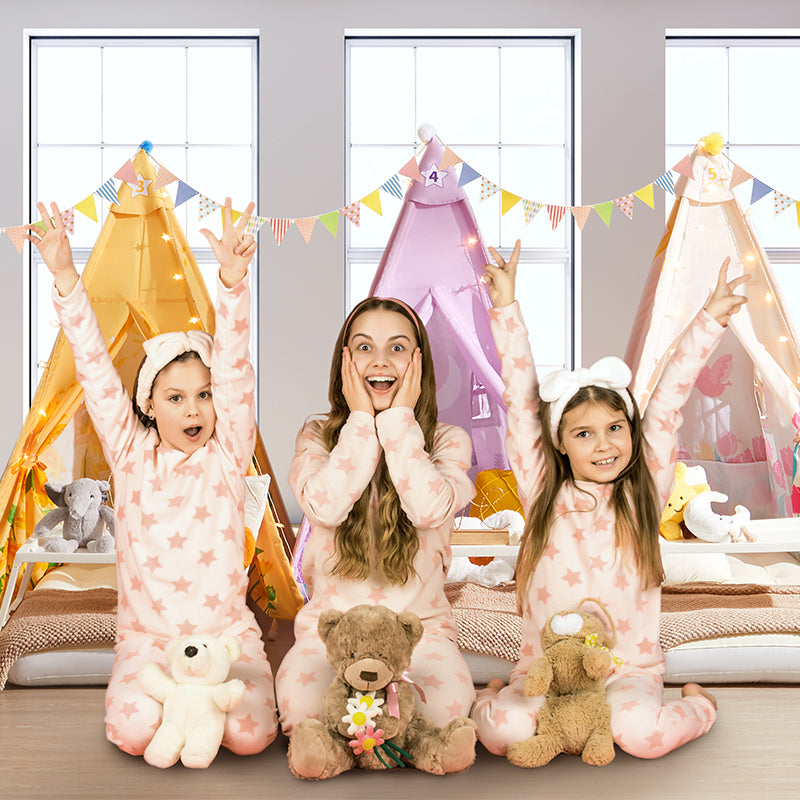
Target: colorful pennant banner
452, 167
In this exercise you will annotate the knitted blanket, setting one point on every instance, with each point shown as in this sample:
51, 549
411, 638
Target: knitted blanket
487, 619
53, 619
488, 622
692, 612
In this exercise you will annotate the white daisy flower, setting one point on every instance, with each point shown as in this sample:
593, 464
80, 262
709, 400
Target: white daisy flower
362, 710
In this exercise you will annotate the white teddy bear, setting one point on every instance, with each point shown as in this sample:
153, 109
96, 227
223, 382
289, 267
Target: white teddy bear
196, 699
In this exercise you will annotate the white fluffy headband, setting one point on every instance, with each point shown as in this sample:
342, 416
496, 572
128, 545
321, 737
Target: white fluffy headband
160, 350
559, 387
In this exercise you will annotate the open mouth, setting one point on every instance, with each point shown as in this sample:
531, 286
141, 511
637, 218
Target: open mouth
606, 462
192, 433
381, 383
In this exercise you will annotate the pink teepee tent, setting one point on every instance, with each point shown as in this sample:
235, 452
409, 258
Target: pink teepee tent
434, 262
742, 414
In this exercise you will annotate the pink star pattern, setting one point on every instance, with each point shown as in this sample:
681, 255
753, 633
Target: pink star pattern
572, 577
247, 725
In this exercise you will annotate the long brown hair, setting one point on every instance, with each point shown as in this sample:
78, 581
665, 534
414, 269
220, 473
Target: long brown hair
396, 540
633, 498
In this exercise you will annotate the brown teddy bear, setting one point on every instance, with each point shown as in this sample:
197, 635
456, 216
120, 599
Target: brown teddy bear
371, 720
575, 717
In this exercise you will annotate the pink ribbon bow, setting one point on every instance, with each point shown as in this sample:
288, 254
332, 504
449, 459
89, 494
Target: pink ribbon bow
392, 700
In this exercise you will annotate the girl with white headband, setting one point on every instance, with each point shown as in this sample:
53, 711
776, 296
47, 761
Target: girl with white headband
178, 457
594, 476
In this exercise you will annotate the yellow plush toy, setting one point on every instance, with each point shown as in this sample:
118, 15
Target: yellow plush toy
689, 482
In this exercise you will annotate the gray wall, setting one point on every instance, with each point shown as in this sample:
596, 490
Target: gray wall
621, 147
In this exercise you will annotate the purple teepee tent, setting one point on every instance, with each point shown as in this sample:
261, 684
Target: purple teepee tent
434, 262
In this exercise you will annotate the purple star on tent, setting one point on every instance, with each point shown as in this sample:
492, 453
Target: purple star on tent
434, 176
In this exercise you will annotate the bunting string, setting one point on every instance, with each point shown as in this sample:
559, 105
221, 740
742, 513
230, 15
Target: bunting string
452, 167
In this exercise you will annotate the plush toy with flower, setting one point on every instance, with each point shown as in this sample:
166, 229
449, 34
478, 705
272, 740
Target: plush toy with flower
575, 717
371, 720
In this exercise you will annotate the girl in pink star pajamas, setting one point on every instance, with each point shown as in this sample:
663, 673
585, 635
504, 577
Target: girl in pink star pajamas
178, 460
380, 481
597, 475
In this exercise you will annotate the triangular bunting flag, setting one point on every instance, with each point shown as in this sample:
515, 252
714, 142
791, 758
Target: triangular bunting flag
87, 207
353, 212
581, 214
68, 218
330, 221
467, 175
392, 187
625, 205
508, 201
207, 206
666, 182
604, 211
760, 189
235, 214
306, 226
254, 225
488, 188
184, 193
17, 236
684, 167
556, 213
108, 191
645, 194
373, 202
530, 208
126, 172
739, 176
279, 228
782, 202
411, 170
449, 159
797, 209
164, 178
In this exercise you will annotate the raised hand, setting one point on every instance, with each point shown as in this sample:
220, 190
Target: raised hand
723, 302
501, 277
410, 383
236, 248
54, 247
353, 387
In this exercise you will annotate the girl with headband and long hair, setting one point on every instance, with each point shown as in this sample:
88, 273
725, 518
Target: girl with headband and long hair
178, 454
380, 481
594, 476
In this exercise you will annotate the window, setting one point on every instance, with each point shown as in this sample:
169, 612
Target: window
744, 88
126, 90
505, 106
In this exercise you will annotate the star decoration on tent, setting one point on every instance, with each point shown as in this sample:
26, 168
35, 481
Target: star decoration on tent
434, 176
141, 187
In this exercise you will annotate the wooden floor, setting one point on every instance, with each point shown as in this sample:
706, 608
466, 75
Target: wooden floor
53, 746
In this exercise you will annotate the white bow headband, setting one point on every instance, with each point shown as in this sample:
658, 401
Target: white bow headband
559, 387
161, 350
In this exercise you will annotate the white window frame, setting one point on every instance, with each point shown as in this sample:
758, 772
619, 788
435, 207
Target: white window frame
754, 38
34, 38
568, 255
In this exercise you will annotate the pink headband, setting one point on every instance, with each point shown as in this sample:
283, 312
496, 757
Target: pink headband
161, 350
399, 302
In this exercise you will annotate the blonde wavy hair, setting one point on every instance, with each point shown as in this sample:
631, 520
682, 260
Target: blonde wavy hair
396, 540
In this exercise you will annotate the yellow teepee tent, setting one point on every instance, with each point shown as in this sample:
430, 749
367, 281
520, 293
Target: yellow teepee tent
143, 280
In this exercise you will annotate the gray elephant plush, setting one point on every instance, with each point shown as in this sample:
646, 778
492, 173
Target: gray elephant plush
84, 517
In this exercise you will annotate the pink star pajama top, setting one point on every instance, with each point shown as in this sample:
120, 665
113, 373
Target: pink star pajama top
581, 560
179, 522
432, 488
